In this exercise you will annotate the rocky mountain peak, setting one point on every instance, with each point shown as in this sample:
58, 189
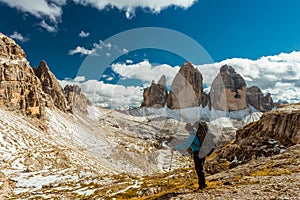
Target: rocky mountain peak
156, 95
257, 99
51, 86
77, 101
228, 90
29, 90
187, 88
20, 89
162, 81
185, 68
9, 49
232, 79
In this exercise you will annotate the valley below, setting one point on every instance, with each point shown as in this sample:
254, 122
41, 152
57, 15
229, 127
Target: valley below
111, 155
57, 144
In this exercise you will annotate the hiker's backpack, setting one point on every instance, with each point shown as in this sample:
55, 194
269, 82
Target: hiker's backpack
206, 139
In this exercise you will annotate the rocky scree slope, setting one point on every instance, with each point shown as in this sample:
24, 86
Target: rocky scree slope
274, 177
59, 153
96, 154
262, 163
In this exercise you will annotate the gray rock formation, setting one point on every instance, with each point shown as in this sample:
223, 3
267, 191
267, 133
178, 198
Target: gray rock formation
228, 91
187, 88
51, 86
20, 89
77, 101
156, 95
256, 98
29, 90
9, 49
272, 134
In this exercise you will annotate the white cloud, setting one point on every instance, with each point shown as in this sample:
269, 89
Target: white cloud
109, 95
146, 72
84, 34
95, 51
285, 91
129, 15
79, 79
82, 51
278, 75
18, 36
103, 44
154, 6
52, 10
47, 27
110, 78
273, 74
125, 51
59, 2
39, 8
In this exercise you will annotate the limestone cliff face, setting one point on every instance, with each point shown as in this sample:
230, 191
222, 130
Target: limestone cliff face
51, 86
228, 91
77, 101
9, 50
256, 98
30, 90
272, 134
281, 124
20, 89
156, 95
187, 88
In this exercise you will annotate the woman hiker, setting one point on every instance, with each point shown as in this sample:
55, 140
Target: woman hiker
193, 145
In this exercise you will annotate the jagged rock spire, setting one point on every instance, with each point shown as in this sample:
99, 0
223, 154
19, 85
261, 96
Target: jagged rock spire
187, 88
228, 91
156, 95
51, 86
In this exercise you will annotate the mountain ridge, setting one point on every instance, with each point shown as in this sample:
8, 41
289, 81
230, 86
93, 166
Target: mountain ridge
228, 92
82, 151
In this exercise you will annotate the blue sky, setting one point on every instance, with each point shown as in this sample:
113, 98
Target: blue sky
226, 29
63, 32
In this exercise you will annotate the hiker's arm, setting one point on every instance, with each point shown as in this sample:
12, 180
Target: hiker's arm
187, 142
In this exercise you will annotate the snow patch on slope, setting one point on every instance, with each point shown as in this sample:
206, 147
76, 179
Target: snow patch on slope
191, 114
252, 117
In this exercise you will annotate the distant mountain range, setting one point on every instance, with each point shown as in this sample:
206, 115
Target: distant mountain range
228, 92
54, 143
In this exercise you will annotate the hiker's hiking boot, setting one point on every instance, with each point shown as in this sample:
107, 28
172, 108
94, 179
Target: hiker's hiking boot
201, 187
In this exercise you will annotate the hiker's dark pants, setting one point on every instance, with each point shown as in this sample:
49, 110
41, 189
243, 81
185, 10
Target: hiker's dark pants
199, 162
